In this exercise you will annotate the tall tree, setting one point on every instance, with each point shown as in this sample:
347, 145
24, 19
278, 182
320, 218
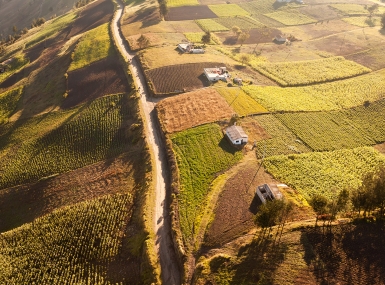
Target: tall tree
243, 37
206, 38
372, 9
318, 203
143, 41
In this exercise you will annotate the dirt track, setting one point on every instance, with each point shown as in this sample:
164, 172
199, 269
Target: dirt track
169, 269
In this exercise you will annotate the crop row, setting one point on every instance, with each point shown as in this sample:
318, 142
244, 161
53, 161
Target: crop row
91, 134
72, 245
311, 71
325, 173
8, 102
328, 96
242, 22
209, 25
201, 152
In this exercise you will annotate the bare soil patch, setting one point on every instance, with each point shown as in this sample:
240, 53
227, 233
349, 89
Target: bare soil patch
319, 12
263, 35
148, 16
380, 148
374, 58
192, 109
179, 78
189, 13
95, 14
96, 80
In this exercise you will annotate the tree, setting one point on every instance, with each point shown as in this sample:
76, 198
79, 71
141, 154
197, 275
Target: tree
236, 30
383, 21
371, 9
243, 37
143, 41
268, 214
244, 58
206, 38
318, 203
14, 29
163, 9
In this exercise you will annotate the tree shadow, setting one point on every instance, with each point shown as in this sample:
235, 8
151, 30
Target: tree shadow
227, 147
255, 204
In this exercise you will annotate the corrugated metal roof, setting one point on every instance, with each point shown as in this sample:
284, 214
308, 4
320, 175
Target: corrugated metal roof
236, 132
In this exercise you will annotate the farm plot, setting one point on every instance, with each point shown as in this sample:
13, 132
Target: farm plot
179, 77
72, 245
8, 102
197, 38
363, 21
262, 35
93, 46
319, 12
350, 9
311, 71
273, 138
101, 78
228, 10
192, 109
209, 25
157, 39
291, 17
87, 135
323, 97
201, 153
241, 103
17, 63
189, 13
325, 173
179, 3
243, 22
373, 58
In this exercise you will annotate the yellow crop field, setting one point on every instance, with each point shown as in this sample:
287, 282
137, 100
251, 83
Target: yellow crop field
311, 71
178, 3
197, 38
328, 96
363, 21
242, 103
291, 17
228, 10
209, 25
355, 9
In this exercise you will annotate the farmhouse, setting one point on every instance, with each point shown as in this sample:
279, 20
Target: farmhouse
190, 48
236, 135
267, 192
216, 74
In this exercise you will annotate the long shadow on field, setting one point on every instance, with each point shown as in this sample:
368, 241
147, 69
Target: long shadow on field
351, 253
226, 146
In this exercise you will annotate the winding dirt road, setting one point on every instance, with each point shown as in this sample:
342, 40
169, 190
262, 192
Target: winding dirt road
162, 225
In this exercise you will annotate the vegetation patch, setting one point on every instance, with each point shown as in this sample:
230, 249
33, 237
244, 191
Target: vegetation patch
16, 63
328, 96
192, 109
8, 103
93, 46
311, 71
242, 103
178, 3
201, 153
73, 244
197, 38
243, 22
291, 17
363, 21
228, 10
75, 138
210, 25
354, 9
325, 173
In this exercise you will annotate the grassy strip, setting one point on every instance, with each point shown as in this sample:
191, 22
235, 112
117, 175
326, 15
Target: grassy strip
17, 63
323, 97
201, 153
325, 173
311, 71
241, 103
8, 103
73, 244
93, 46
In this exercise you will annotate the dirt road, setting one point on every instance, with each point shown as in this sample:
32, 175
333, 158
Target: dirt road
169, 270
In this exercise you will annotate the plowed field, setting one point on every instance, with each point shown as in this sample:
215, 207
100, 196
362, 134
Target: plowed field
192, 109
98, 79
181, 77
190, 13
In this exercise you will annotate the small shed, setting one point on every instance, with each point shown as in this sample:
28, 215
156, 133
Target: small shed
280, 39
267, 192
236, 135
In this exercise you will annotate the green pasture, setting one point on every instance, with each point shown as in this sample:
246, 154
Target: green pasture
228, 10
8, 102
291, 17
209, 25
242, 22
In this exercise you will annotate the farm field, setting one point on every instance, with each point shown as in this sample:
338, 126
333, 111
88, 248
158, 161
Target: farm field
181, 77
197, 38
190, 13
209, 25
291, 17
240, 101
311, 71
178, 3
93, 46
192, 109
355, 9
373, 58
243, 22
325, 173
228, 10
54, 246
88, 135
323, 97
17, 63
201, 152
8, 103
363, 21
157, 39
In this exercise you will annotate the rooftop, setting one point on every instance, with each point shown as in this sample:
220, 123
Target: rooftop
235, 132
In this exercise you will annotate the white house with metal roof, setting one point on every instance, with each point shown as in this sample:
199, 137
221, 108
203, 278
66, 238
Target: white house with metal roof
236, 135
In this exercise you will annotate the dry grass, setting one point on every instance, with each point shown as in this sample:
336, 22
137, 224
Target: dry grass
157, 39
192, 109
139, 28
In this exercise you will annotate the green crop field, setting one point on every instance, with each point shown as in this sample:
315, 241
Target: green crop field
291, 17
240, 101
281, 141
228, 10
311, 71
178, 3
72, 245
355, 9
242, 22
209, 25
79, 137
363, 21
201, 153
323, 97
325, 173
197, 38
8, 103
258, 7
93, 46
17, 63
